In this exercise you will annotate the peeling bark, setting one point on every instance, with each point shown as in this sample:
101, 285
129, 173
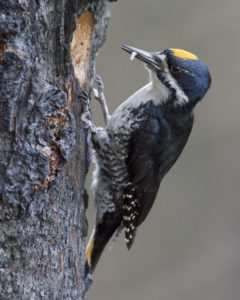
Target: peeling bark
47, 57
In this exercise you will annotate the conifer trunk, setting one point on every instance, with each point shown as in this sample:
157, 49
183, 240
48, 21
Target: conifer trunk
47, 57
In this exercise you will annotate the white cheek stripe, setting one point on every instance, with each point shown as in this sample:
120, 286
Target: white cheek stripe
181, 97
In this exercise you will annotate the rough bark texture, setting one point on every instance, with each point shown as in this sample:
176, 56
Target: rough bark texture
47, 56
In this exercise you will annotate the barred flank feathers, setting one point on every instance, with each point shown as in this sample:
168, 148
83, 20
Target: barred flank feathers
130, 212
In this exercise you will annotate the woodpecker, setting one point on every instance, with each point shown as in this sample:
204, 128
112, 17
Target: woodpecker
142, 140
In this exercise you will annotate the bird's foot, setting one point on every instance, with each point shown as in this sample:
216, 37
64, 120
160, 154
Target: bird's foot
99, 95
86, 115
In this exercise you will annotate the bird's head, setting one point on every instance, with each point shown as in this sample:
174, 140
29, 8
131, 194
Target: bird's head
181, 71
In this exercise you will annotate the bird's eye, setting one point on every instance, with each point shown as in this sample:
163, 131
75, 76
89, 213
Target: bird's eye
175, 69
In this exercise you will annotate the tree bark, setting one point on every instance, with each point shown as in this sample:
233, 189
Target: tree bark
47, 58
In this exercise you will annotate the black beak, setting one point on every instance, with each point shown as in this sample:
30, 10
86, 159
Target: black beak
149, 58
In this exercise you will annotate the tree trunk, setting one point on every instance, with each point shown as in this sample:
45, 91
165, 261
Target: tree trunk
47, 57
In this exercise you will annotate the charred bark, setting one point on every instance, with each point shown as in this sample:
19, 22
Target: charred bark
47, 57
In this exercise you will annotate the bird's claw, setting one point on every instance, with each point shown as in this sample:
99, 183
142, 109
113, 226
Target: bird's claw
99, 95
96, 94
99, 82
87, 122
86, 119
86, 115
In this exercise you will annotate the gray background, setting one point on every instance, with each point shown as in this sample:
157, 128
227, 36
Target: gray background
189, 246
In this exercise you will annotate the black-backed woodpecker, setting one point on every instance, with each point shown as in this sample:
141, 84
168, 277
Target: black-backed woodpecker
141, 141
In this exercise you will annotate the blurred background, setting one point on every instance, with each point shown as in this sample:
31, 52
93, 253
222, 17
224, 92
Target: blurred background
189, 246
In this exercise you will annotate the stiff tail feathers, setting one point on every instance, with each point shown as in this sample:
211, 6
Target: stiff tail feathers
100, 236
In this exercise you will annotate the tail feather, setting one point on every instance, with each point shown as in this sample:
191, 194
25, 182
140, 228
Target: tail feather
116, 235
90, 246
100, 236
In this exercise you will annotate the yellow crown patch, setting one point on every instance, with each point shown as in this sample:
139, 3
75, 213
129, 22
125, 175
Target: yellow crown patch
183, 54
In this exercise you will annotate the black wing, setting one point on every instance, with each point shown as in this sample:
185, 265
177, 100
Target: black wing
144, 163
